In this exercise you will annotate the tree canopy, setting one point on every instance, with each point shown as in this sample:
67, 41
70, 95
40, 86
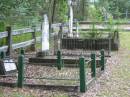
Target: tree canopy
57, 10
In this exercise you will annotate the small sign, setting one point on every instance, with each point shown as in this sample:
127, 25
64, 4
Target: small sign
7, 66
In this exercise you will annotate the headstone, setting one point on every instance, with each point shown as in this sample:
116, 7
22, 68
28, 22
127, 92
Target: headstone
70, 18
45, 34
45, 38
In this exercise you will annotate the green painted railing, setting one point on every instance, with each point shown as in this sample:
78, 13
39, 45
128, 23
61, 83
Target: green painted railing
84, 82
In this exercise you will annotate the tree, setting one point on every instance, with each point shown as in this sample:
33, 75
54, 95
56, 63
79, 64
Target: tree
115, 7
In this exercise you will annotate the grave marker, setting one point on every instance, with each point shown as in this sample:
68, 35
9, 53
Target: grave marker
7, 66
45, 34
70, 18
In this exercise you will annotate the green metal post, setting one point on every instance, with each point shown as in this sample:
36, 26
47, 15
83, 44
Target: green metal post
82, 75
59, 60
2, 55
20, 71
93, 65
22, 51
102, 61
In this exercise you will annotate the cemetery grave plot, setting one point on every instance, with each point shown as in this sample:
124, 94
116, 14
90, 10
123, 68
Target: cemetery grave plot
50, 76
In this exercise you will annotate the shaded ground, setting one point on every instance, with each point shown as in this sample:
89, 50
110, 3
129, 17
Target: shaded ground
115, 82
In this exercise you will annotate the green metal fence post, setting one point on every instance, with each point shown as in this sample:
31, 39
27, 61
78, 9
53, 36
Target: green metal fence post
22, 51
20, 71
59, 60
2, 55
82, 75
93, 65
102, 61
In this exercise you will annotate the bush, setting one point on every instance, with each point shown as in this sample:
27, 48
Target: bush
2, 26
95, 14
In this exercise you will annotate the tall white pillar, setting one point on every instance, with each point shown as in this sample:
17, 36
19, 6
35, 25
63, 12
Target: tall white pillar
70, 18
45, 34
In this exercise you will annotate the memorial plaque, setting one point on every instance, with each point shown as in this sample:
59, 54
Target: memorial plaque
7, 66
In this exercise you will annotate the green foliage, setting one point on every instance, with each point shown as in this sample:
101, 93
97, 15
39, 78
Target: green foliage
93, 33
2, 26
62, 9
2, 29
110, 25
20, 7
115, 7
125, 40
14, 10
28, 12
94, 14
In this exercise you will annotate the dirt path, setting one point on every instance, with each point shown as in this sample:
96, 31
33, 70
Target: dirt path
115, 82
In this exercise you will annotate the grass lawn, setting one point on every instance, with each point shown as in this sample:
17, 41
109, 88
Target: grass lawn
117, 81
125, 40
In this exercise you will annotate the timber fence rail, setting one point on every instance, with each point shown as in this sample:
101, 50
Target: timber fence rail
104, 26
9, 33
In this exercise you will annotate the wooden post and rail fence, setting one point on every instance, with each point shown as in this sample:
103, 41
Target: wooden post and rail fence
9, 33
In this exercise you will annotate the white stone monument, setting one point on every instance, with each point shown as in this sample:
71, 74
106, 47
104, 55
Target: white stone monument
70, 34
45, 34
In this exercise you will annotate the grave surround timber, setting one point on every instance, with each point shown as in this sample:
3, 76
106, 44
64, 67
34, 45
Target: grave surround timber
89, 44
68, 61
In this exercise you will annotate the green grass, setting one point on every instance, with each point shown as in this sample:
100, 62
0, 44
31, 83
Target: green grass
20, 38
121, 20
117, 82
125, 40
24, 37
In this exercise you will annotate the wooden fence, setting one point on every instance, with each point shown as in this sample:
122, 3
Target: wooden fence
8, 34
104, 26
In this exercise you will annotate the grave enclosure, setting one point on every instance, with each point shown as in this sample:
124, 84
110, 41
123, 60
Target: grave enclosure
80, 76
